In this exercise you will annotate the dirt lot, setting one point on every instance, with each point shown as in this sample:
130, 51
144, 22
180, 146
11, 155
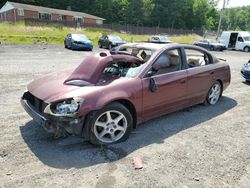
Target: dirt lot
197, 147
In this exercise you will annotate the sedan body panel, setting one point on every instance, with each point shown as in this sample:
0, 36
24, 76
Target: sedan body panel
146, 93
245, 71
169, 96
77, 42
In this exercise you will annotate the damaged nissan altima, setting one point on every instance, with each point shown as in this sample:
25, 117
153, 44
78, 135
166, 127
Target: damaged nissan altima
109, 94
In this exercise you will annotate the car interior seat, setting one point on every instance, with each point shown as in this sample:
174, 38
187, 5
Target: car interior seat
162, 65
174, 60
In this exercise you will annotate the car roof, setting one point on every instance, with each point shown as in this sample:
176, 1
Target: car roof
146, 45
158, 46
159, 36
77, 34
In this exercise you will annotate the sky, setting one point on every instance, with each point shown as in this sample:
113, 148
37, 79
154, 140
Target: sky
235, 3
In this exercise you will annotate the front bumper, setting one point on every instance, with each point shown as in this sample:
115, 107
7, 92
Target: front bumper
53, 124
36, 115
221, 48
82, 46
116, 44
245, 75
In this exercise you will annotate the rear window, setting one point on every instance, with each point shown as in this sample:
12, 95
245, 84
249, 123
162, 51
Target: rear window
196, 58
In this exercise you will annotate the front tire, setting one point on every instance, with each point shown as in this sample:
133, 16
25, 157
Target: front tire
247, 49
214, 94
109, 125
100, 44
212, 48
65, 45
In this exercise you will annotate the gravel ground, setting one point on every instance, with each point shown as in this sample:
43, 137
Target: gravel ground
202, 146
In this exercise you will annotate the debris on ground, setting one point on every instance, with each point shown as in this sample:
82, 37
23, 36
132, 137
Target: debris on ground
137, 162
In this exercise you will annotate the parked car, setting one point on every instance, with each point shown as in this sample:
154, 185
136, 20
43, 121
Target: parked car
107, 95
210, 44
77, 42
110, 41
245, 71
160, 39
236, 40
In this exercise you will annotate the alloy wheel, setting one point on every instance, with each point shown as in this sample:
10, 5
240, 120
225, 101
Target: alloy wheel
110, 126
214, 93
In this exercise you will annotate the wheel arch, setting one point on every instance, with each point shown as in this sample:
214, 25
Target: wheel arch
247, 46
126, 103
130, 106
221, 83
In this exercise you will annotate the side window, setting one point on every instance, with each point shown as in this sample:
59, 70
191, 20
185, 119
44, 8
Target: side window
169, 61
196, 58
240, 39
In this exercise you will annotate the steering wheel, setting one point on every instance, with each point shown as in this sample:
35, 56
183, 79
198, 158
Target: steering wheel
113, 69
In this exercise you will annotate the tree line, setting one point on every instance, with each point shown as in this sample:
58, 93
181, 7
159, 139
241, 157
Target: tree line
177, 14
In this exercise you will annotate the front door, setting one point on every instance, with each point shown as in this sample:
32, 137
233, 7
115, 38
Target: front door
240, 43
170, 85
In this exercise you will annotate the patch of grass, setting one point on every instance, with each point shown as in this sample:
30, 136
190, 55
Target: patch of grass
185, 39
19, 33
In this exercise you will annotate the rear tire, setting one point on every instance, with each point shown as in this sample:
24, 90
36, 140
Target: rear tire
110, 125
214, 94
211, 48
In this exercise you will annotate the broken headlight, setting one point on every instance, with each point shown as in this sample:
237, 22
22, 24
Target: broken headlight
67, 107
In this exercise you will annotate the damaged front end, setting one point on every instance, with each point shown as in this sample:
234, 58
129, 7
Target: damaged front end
59, 118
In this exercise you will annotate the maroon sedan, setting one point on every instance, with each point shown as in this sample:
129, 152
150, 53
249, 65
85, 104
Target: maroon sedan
107, 95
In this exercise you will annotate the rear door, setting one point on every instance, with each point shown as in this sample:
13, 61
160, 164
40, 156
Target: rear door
170, 87
200, 74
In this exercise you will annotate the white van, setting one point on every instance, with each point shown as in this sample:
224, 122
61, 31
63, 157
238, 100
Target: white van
237, 40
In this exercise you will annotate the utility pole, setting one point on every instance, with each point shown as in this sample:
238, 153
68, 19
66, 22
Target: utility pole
221, 15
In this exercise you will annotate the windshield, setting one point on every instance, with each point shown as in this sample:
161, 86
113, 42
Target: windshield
212, 41
113, 37
141, 53
164, 39
79, 37
247, 38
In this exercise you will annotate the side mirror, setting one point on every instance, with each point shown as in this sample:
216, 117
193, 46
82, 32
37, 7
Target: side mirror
152, 85
150, 73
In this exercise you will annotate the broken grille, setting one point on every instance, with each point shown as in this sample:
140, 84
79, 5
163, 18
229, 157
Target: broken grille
36, 102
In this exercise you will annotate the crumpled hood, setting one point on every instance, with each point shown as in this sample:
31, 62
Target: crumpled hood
91, 69
51, 87
58, 85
